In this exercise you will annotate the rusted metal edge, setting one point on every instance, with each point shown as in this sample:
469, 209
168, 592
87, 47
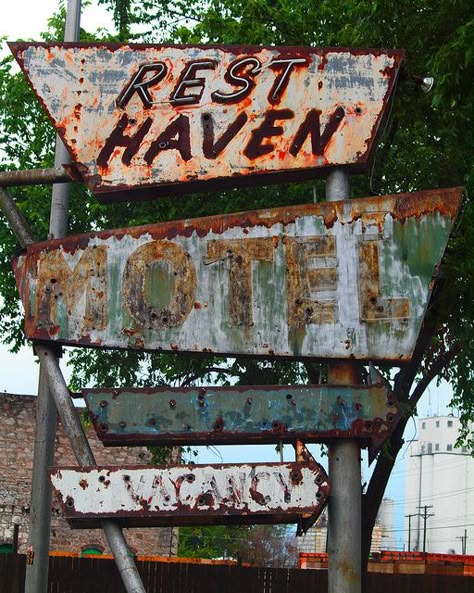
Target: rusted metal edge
438, 207
400, 206
153, 189
236, 48
177, 416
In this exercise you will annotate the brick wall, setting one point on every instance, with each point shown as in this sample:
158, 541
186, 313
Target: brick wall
17, 434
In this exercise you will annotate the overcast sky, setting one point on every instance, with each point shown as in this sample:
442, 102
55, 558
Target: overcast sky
26, 19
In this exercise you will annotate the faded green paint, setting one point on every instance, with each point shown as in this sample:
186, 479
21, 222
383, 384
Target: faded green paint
282, 293
236, 415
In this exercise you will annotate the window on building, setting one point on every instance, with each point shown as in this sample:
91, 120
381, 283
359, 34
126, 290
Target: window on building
423, 425
437, 423
437, 447
449, 448
450, 423
422, 448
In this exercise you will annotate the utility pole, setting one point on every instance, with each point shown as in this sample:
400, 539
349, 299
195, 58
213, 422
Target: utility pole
425, 516
463, 539
409, 529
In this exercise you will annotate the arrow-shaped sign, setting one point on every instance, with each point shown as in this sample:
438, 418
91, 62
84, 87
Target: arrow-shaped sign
191, 494
344, 280
243, 415
140, 117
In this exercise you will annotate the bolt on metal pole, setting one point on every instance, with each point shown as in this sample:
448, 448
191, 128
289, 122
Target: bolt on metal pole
36, 578
345, 501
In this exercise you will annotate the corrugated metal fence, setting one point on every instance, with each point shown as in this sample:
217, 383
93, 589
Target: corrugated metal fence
87, 575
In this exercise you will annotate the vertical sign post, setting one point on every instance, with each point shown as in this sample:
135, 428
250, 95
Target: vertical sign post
52, 385
36, 578
345, 504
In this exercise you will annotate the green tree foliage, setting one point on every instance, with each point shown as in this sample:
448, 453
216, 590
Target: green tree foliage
259, 545
428, 143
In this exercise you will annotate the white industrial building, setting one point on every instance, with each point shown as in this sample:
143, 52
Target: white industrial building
440, 487
315, 539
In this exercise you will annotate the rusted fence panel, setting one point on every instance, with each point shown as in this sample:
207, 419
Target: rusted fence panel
87, 575
235, 415
143, 116
346, 280
192, 495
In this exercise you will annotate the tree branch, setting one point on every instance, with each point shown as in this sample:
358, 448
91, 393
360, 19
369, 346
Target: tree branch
438, 365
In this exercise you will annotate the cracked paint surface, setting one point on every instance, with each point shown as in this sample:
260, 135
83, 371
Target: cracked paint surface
343, 280
146, 116
194, 494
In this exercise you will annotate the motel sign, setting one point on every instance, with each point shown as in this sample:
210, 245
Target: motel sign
332, 280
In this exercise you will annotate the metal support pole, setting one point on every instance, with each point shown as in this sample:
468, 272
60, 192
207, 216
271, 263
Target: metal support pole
35, 177
83, 452
15, 219
345, 502
40, 505
36, 579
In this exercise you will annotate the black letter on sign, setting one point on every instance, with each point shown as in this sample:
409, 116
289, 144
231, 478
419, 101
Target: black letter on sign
244, 81
140, 86
255, 148
281, 81
311, 125
212, 147
176, 136
118, 138
188, 80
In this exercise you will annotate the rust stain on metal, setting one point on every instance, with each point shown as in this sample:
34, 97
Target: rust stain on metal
337, 280
192, 495
244, 415
147, 116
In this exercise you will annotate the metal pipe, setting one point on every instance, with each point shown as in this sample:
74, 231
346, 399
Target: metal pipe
35, 177
36, 580
64, 404
123, 557
344, 540
15, 219
85, 457
345, 501
36, 577
337, 185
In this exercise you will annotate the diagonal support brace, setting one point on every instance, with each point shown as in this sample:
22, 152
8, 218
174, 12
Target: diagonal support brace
84, 455
71, 423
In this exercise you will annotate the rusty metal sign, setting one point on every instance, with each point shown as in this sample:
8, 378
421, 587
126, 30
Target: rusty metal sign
344, 280
242, 415
191, 494
147, 116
